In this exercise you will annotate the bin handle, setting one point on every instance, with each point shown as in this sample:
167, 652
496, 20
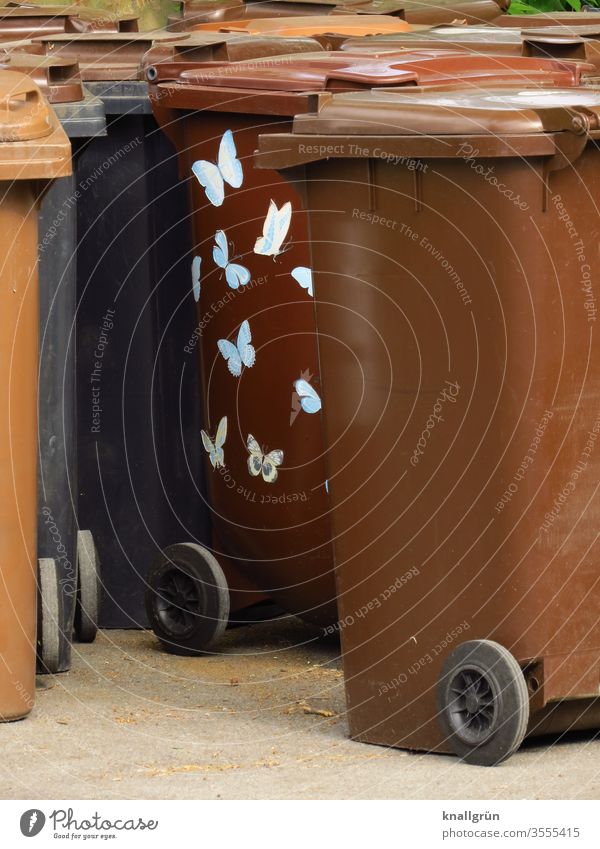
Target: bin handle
14, 85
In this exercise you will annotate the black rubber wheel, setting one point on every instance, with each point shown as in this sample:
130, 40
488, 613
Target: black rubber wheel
187, 599
87, 609
49, 610
483, 702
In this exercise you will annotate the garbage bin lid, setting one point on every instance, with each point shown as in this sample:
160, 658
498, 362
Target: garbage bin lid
355, 25
548, 19
561, 34
58, 79
338, 70
498, 112
210, 47
106, 56
472, 38
21, 17
25, 119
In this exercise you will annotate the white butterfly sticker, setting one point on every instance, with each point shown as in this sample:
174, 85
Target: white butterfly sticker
263, 464
240, 354
196, 262
213, 177
236, 275
275, 229
309, 400
215, 450
303, 276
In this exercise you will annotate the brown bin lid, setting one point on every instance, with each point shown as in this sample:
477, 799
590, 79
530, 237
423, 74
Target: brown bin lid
314, 72
106, 56
26, 119
347, 25
544, 19
473, 38
447, 11
25, 20
209, 47
58, 79
499, 113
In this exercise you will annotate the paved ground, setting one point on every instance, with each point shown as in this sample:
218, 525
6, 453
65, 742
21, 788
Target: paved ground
263, 720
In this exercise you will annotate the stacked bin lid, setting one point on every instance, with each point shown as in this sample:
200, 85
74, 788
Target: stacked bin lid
196, 13
413, 11
27, 21
549, 19
204, 47
578, 43
271, 81
500, 114
58, 79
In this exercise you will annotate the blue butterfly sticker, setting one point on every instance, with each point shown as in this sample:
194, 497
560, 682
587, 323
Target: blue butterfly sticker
236, 275
275, 229
309, 400
240, 354
215, 449
303, 276
196, 262
228, 169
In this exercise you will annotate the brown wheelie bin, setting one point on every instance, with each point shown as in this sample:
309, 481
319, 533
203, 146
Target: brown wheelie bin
255, 332
33, 150
454, 241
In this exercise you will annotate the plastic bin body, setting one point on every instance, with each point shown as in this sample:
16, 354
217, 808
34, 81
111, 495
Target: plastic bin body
57, 396
33, 150
279, 532
455, 317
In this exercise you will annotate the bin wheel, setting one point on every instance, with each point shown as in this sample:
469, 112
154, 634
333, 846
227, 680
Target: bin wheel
482, 702
49, 607
187, 599
88, 588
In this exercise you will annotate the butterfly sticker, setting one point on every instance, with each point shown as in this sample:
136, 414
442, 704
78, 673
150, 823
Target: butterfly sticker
215, 450
196, 277
236, 275
309, 400
240, 354
263, 464
213, 177
303, 276
275, 228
